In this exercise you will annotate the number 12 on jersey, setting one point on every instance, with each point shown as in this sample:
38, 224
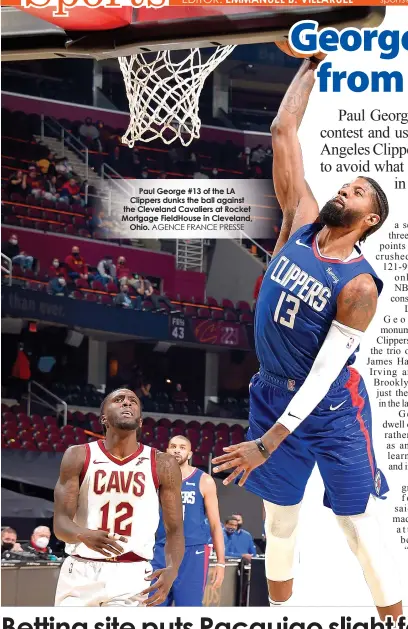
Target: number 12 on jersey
289, 304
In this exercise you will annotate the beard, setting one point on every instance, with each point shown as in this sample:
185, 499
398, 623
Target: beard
182, 459
129, 425
333, 215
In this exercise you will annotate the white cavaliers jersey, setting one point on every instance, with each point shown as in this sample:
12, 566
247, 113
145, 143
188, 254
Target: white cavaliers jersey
119, 496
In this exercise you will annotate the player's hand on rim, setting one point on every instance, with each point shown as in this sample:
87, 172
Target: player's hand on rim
245, 457
165, 579
103, 542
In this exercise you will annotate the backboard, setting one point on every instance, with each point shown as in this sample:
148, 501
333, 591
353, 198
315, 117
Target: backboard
103, 33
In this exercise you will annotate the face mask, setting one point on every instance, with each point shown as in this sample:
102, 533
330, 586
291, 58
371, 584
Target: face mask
56, 264
61, 281
239, 527
215, 171
229, 531
6, 545
42, 542
144, 175
14, 241
76, 255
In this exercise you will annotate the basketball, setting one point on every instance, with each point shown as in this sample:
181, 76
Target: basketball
285, 47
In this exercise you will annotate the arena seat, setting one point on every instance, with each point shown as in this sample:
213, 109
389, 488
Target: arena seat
43, 446
161, 433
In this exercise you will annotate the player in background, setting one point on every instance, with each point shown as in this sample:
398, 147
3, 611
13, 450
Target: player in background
307, 404
107, 502
199, 497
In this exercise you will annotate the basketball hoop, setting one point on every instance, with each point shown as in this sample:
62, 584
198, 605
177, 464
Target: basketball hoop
164, 94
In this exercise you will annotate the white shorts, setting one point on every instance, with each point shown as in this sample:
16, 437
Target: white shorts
87, 583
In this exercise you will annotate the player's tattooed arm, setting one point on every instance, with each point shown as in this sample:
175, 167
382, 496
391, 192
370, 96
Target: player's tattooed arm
357, 302
169, 474
298, 204
66, 495
168, 471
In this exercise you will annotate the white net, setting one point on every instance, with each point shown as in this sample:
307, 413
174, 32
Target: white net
164, 93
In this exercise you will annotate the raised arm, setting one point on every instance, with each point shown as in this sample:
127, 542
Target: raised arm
168, 471
295, 198
66, 495
356, 306
208, 490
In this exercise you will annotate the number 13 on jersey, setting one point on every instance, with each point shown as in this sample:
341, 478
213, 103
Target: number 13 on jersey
286, 309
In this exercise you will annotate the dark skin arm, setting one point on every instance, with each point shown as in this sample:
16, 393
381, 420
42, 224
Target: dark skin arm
65, 506
356, 306
168, 471
295, 198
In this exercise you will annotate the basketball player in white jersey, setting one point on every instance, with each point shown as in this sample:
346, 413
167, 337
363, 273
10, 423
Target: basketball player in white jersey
107, 502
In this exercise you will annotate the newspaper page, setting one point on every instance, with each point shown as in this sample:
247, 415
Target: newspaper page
325, 461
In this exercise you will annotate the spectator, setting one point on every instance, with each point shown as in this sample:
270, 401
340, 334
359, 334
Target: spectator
12, 251
123, 273
145, 291
122, 299
179, 396
35, 184
115, 160
90, 134
236, 545
50, 189
39, 543
76, 266
106, 270
71, 190
258, 154
145, 173
9, 541
45, 162
242, 531
143, 392
17, 183
105, 135
257, 286
56, 269
63, 167
198, 174
21, 372
58, 286
163, 174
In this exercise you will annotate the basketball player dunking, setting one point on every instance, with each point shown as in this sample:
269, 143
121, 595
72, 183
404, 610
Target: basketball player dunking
199, 497
107, 511
307, 404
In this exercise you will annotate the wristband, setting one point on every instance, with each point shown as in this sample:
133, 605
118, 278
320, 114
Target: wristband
220, 565
262, 449
315, 60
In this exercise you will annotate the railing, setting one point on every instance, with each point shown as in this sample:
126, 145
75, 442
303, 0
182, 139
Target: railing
190, 255
115, 185
67, 140
35, 397
7, 267
243, 236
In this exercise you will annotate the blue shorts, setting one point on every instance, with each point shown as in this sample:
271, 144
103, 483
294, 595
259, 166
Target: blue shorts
336, 436
188, 588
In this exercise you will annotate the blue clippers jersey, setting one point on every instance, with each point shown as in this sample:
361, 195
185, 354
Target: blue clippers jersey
297, 304
196, 530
